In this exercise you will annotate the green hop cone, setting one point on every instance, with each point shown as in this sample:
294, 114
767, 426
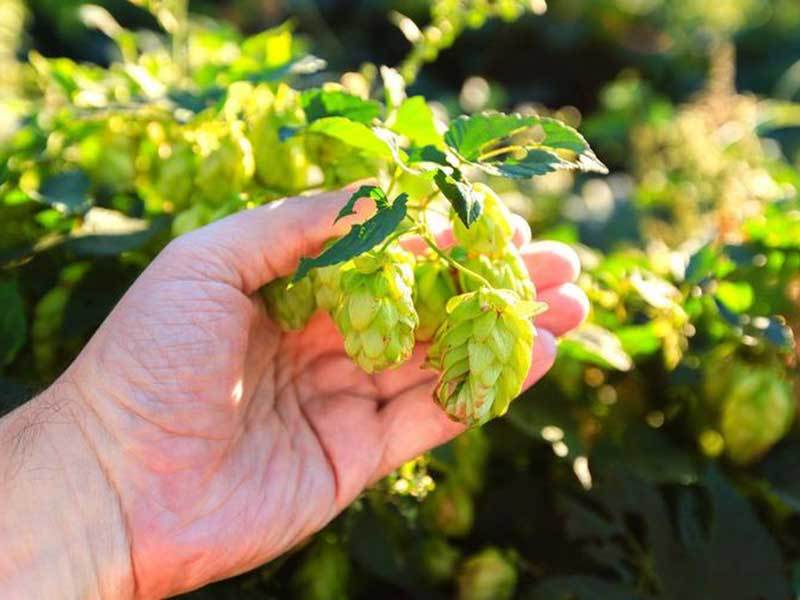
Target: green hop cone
290, 306
324, 572
483, 350
438, 559
757, 412
433, 288
376, 314
449, 510
488, 575
505, 270
327, 287
492, 230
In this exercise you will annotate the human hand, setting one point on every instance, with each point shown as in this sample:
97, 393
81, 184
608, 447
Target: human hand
226, 441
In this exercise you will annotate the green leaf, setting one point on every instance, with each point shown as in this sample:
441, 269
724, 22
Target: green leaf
362, 237
353, 134
639, 340
13, 323
737, 296
415, 120
701, 264
319, 104
365, 191
468, 135
465, 201
520, 147
594, 344
67, 192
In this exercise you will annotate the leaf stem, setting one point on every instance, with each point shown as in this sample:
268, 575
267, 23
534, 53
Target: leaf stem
500, 151
456, 265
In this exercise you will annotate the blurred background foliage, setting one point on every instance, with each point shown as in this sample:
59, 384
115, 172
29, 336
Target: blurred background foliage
660, 459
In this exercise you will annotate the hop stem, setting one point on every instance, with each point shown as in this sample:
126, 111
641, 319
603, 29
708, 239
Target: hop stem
432, 244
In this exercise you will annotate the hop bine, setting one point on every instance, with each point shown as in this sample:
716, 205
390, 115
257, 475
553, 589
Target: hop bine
483, 350
376, 314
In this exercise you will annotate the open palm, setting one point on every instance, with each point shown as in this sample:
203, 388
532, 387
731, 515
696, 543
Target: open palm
235, 441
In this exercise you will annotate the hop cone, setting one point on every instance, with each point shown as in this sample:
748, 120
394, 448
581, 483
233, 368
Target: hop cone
757, 412
433, 288
438, 559
488, 575
484, 352
504, 270
492, 231
376, 314
449, 510
327, 289
290, 306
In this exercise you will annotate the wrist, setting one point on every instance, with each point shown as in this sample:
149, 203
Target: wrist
62, 527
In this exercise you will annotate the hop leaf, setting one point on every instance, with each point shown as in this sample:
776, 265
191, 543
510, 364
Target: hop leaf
291, 306
483, 350
492, 231
376, 314
505, 270
488, 575
757, 412
433, 288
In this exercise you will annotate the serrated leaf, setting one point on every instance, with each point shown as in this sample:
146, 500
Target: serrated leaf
594, 344
520, 147
352, 133
361, 238
365, 191
67, 192
465, 201
337, 103
468, 135
13, 323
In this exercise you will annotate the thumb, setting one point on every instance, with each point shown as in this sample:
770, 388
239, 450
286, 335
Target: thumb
251, 248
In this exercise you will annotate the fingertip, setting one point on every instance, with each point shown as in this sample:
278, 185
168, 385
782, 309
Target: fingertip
522, 230
543, 356
568, 308
550, 263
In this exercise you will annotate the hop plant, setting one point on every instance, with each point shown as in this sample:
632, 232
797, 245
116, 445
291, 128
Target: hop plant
492, 230
488, 575
505, 270
449, 510
324, 573
438, 559
757, 412
483, 350
291, 306
376, 314
433, 288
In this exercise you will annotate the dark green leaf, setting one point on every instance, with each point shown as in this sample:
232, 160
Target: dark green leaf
361, 238
465, 201
337, 103
701, 264
468, 135
365, 191
67, 192
13, 323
